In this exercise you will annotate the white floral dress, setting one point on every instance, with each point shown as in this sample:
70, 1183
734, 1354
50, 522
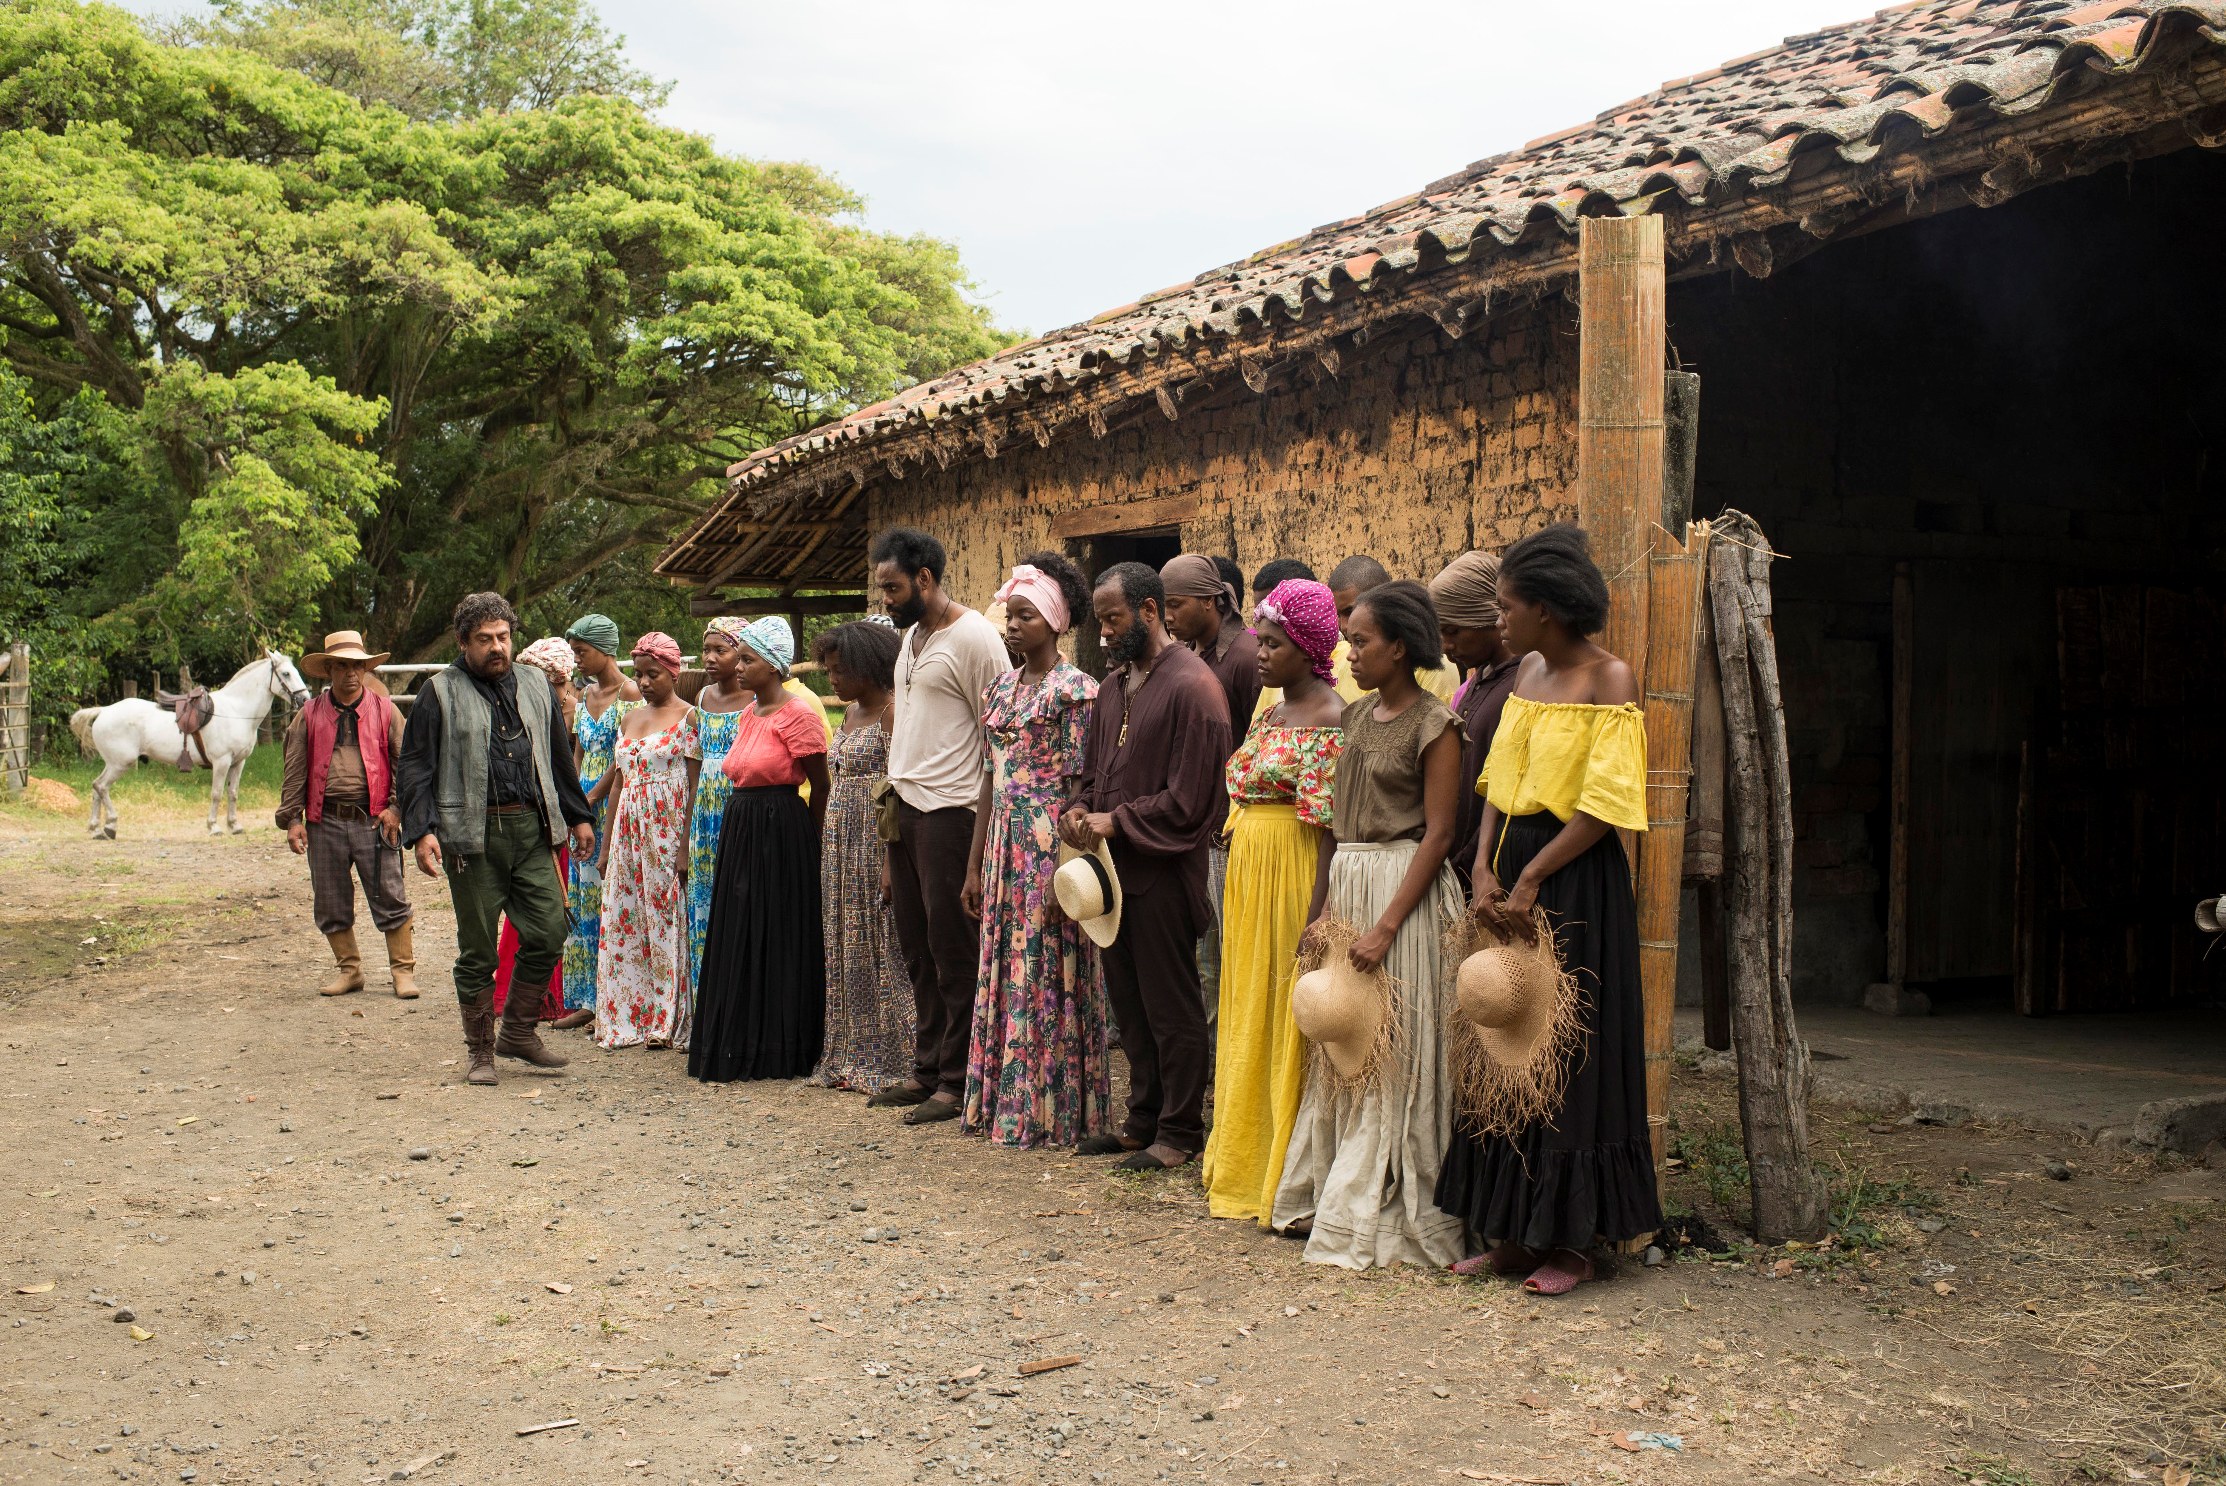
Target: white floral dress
642, 994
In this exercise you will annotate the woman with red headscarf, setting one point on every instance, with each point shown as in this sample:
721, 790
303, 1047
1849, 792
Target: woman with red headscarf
1282, 784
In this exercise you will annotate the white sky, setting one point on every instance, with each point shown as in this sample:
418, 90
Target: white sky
1083, 154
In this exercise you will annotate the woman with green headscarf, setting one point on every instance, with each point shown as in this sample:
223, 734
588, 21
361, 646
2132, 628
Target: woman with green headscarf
605, 700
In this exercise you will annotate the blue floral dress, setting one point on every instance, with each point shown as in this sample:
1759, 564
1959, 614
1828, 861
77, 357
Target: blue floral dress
715, 735
583, 890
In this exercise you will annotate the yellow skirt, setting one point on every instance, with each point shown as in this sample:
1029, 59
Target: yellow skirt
1260, 1064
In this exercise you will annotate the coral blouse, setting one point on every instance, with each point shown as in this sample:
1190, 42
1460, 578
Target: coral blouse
1566, 757
768, 751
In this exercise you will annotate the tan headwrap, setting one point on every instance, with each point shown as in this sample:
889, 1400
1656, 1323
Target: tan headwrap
1193, 577
1467, 592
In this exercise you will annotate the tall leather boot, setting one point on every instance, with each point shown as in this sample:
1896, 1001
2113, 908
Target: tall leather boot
519, 1039
401, 961
349, 977
479, 1037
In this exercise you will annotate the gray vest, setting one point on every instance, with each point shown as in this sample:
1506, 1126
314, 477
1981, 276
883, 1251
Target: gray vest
460, 788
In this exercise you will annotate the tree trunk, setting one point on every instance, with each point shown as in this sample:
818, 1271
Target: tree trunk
1789, 1192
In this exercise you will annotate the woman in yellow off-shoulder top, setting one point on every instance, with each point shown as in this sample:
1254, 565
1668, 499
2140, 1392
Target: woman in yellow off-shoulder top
1566, 768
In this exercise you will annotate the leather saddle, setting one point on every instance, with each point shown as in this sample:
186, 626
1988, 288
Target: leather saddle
191, 710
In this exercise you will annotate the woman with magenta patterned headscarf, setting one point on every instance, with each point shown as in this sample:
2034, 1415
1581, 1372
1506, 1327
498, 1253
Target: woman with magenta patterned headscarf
1282, 787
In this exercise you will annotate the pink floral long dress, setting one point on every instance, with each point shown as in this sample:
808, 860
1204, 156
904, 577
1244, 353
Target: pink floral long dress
1039, 1069
642, 994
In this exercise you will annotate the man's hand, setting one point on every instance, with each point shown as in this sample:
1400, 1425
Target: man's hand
583, 838
390, 827
429, 854
970, 896
888, 889
1084, 829
297, 837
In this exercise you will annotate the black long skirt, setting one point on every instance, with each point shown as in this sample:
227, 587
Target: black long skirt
761, 998
1588, 1174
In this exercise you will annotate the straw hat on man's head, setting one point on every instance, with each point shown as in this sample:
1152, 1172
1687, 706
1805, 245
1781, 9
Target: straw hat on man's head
1089, 891
341, 644
1516, 1021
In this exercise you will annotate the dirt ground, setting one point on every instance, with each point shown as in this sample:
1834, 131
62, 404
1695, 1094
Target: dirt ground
342, 1264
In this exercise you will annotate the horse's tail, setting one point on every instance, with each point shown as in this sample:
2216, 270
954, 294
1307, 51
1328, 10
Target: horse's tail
81, 723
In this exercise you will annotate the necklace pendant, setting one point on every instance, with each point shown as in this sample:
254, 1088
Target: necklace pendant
1122, 740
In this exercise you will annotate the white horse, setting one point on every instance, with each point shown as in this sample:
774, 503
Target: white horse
125, 732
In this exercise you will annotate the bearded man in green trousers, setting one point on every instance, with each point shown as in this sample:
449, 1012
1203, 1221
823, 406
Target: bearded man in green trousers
489, 792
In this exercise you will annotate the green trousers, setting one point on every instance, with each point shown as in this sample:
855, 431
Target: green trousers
516, 874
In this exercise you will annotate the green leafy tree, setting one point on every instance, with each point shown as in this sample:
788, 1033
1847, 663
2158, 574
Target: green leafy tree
445, 310
436, 59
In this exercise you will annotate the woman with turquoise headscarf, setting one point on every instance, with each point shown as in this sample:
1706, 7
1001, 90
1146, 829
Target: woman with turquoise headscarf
606, 696
719, 708
761, 1001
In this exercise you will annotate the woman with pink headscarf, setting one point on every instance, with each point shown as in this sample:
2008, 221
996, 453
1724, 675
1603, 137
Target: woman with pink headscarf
1282, 792
1039, 1070
642, 995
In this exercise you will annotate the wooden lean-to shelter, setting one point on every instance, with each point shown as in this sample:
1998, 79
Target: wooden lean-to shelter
1948, 275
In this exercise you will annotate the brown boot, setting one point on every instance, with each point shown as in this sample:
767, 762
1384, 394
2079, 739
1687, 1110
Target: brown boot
350, 975
479, 1037
519, 1039
401, 960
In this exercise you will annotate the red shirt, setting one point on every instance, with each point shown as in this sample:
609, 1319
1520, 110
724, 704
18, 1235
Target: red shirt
769, 750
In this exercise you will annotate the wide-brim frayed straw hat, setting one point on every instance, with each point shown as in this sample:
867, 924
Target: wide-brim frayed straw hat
341, 644
1088, 888
1345, 1013
1515, 1025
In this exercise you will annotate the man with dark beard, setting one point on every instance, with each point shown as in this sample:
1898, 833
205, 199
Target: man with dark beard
1159, 734
950, 656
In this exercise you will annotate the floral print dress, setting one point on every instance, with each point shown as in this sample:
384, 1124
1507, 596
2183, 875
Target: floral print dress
642, 991
1038, 1071
869, 996
714, 736
583, 888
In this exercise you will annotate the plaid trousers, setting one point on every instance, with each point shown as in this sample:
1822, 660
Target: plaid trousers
339, 843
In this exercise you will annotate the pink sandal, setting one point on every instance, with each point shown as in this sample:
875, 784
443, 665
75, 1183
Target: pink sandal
1555, 1278
1501, 1259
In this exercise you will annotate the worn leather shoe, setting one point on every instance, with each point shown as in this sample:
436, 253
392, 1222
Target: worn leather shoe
526, 1046
897, 1096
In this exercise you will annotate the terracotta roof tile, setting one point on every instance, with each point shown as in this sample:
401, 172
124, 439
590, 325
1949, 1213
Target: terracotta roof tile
1703, 141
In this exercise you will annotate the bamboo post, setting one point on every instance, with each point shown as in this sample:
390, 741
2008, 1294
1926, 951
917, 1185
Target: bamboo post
15, 719
1622, 339
1673, 625
1789, 1194
1622, 342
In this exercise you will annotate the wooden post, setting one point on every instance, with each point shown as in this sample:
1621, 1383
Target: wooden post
1622, 338
1673, 593
1622, 341
15, 719
1790, 1200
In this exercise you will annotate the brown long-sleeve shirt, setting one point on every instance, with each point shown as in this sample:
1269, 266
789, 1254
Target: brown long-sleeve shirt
344, 779
1479, 712
1162, 785
1235, 658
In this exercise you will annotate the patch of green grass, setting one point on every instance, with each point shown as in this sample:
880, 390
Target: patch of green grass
1989, 1470
1716, 1156
1860, 1200
158, 787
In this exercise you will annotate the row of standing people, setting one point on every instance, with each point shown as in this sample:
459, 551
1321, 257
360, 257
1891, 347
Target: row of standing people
961, 781
1378, 784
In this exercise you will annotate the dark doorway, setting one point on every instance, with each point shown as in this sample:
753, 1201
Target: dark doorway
1155, 547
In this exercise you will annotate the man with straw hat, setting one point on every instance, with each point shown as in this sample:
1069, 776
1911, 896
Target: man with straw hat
336, 805
488, 794
1159, 734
